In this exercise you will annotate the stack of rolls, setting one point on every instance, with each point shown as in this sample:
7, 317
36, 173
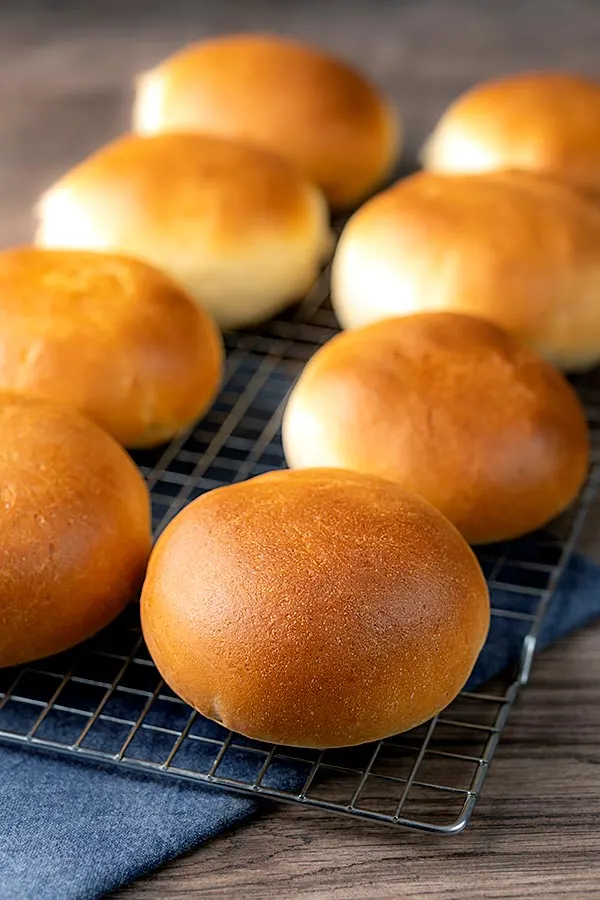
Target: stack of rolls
339, 601
96, 351
461, 287
462, 292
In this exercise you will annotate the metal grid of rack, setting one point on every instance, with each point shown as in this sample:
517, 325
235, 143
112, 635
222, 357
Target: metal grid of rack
106, 701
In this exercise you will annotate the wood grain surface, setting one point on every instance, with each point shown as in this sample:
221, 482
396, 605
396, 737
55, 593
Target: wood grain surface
66, 71
535, 832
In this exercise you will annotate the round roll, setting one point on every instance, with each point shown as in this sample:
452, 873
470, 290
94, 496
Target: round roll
448, 406
285, 96
74, 529
545, 122
516, 248
316, 608
239, 228
109, 336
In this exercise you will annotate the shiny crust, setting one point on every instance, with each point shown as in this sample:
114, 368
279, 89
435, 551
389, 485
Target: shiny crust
519, 249
316, 608
74, 529
546, 122
310, 108
240, 229
109, 336
448, 406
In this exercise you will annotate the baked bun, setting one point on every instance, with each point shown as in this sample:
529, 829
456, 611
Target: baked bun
546, 122
74, 529
318, 608
239, 228
448, 406
516, 248
285, 96
109, 336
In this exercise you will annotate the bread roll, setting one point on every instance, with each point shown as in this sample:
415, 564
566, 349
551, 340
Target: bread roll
111, 337
545, 122
74, 529
448, 406
516, 248
279, 94
239, 228
319, 608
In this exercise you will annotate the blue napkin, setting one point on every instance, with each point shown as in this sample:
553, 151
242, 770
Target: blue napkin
70, 830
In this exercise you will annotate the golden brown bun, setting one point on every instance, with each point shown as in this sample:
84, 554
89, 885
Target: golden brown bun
546, 122
239, 228
516, 248
448, 406
109, 336
285, 96
318, 608
74, 529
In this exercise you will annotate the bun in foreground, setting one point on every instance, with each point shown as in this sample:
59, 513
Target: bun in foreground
450, 407
317, 608
515, 248
277, 93
240, 229
74, 529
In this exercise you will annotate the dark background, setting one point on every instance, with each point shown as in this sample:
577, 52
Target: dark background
66, 68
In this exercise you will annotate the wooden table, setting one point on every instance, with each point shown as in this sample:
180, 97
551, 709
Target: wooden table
65, 87
535, 832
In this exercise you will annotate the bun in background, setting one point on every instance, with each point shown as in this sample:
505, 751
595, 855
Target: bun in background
545, 122
314, 608
450, 407
516, 248
288, 97
240, 229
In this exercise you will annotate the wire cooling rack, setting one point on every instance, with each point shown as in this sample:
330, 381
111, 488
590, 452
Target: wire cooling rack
106, 701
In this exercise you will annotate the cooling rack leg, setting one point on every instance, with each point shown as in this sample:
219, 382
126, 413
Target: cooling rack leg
527, 654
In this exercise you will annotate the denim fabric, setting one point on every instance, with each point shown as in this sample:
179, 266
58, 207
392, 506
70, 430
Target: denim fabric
71, 830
